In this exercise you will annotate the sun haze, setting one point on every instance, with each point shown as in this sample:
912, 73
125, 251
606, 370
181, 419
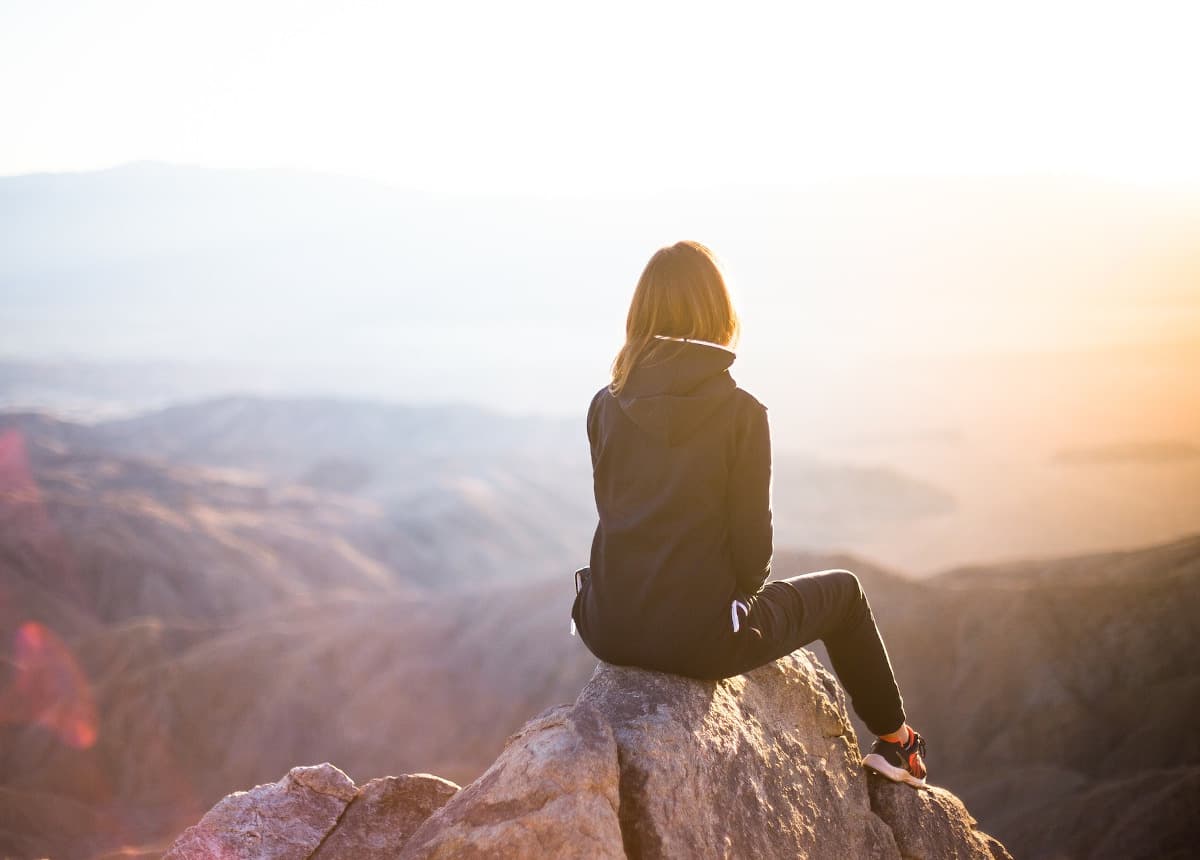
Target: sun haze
551, 98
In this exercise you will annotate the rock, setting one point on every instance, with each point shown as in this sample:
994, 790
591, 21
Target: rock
643, 764
384, 814
761, 765
283, 820
315, 812
553, 792
931, 824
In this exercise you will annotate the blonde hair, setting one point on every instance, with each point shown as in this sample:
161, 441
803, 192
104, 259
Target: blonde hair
681, 294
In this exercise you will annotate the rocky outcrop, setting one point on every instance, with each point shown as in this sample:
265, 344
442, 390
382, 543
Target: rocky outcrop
643, 764
315, 812
285, 820
383, 815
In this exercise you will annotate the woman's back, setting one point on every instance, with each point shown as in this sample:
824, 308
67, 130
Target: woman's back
681, 464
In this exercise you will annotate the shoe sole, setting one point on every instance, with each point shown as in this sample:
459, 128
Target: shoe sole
886, 769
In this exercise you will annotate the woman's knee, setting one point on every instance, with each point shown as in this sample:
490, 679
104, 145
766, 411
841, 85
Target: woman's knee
848, 584
852, 597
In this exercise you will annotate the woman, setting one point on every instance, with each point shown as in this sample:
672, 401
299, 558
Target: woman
681, 460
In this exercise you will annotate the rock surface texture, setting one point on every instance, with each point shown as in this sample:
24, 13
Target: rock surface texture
643, 764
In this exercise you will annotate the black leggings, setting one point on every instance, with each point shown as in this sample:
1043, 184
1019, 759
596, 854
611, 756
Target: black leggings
829, 605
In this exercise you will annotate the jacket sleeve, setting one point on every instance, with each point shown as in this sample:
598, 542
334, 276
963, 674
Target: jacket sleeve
593, 430
750, 504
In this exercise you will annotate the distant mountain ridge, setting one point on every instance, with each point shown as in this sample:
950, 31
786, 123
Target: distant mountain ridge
518, 485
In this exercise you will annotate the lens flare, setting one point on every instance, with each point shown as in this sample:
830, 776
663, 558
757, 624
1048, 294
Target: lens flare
49, 688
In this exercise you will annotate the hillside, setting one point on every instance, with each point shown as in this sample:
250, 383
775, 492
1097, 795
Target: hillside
1055, 693
110, 539
1085, 668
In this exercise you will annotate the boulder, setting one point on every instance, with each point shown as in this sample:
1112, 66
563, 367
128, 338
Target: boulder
931, 824
383, 815
285, 820
553, 792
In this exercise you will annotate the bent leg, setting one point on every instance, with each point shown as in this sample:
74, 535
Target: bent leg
830, 605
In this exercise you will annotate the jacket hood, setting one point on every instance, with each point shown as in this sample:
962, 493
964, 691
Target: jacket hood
680, 386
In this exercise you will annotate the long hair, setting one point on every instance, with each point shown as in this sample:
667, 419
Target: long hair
681, 294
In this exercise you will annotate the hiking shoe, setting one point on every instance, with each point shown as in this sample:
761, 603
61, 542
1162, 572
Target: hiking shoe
899, 762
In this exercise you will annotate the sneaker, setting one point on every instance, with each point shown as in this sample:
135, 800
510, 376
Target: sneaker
899, 762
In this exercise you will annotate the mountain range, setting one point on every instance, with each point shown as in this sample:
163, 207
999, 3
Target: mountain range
995, 369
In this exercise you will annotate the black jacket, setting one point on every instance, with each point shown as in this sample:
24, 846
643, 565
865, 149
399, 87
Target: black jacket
681, 463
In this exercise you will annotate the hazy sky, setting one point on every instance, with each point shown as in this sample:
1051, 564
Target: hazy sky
554, 97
